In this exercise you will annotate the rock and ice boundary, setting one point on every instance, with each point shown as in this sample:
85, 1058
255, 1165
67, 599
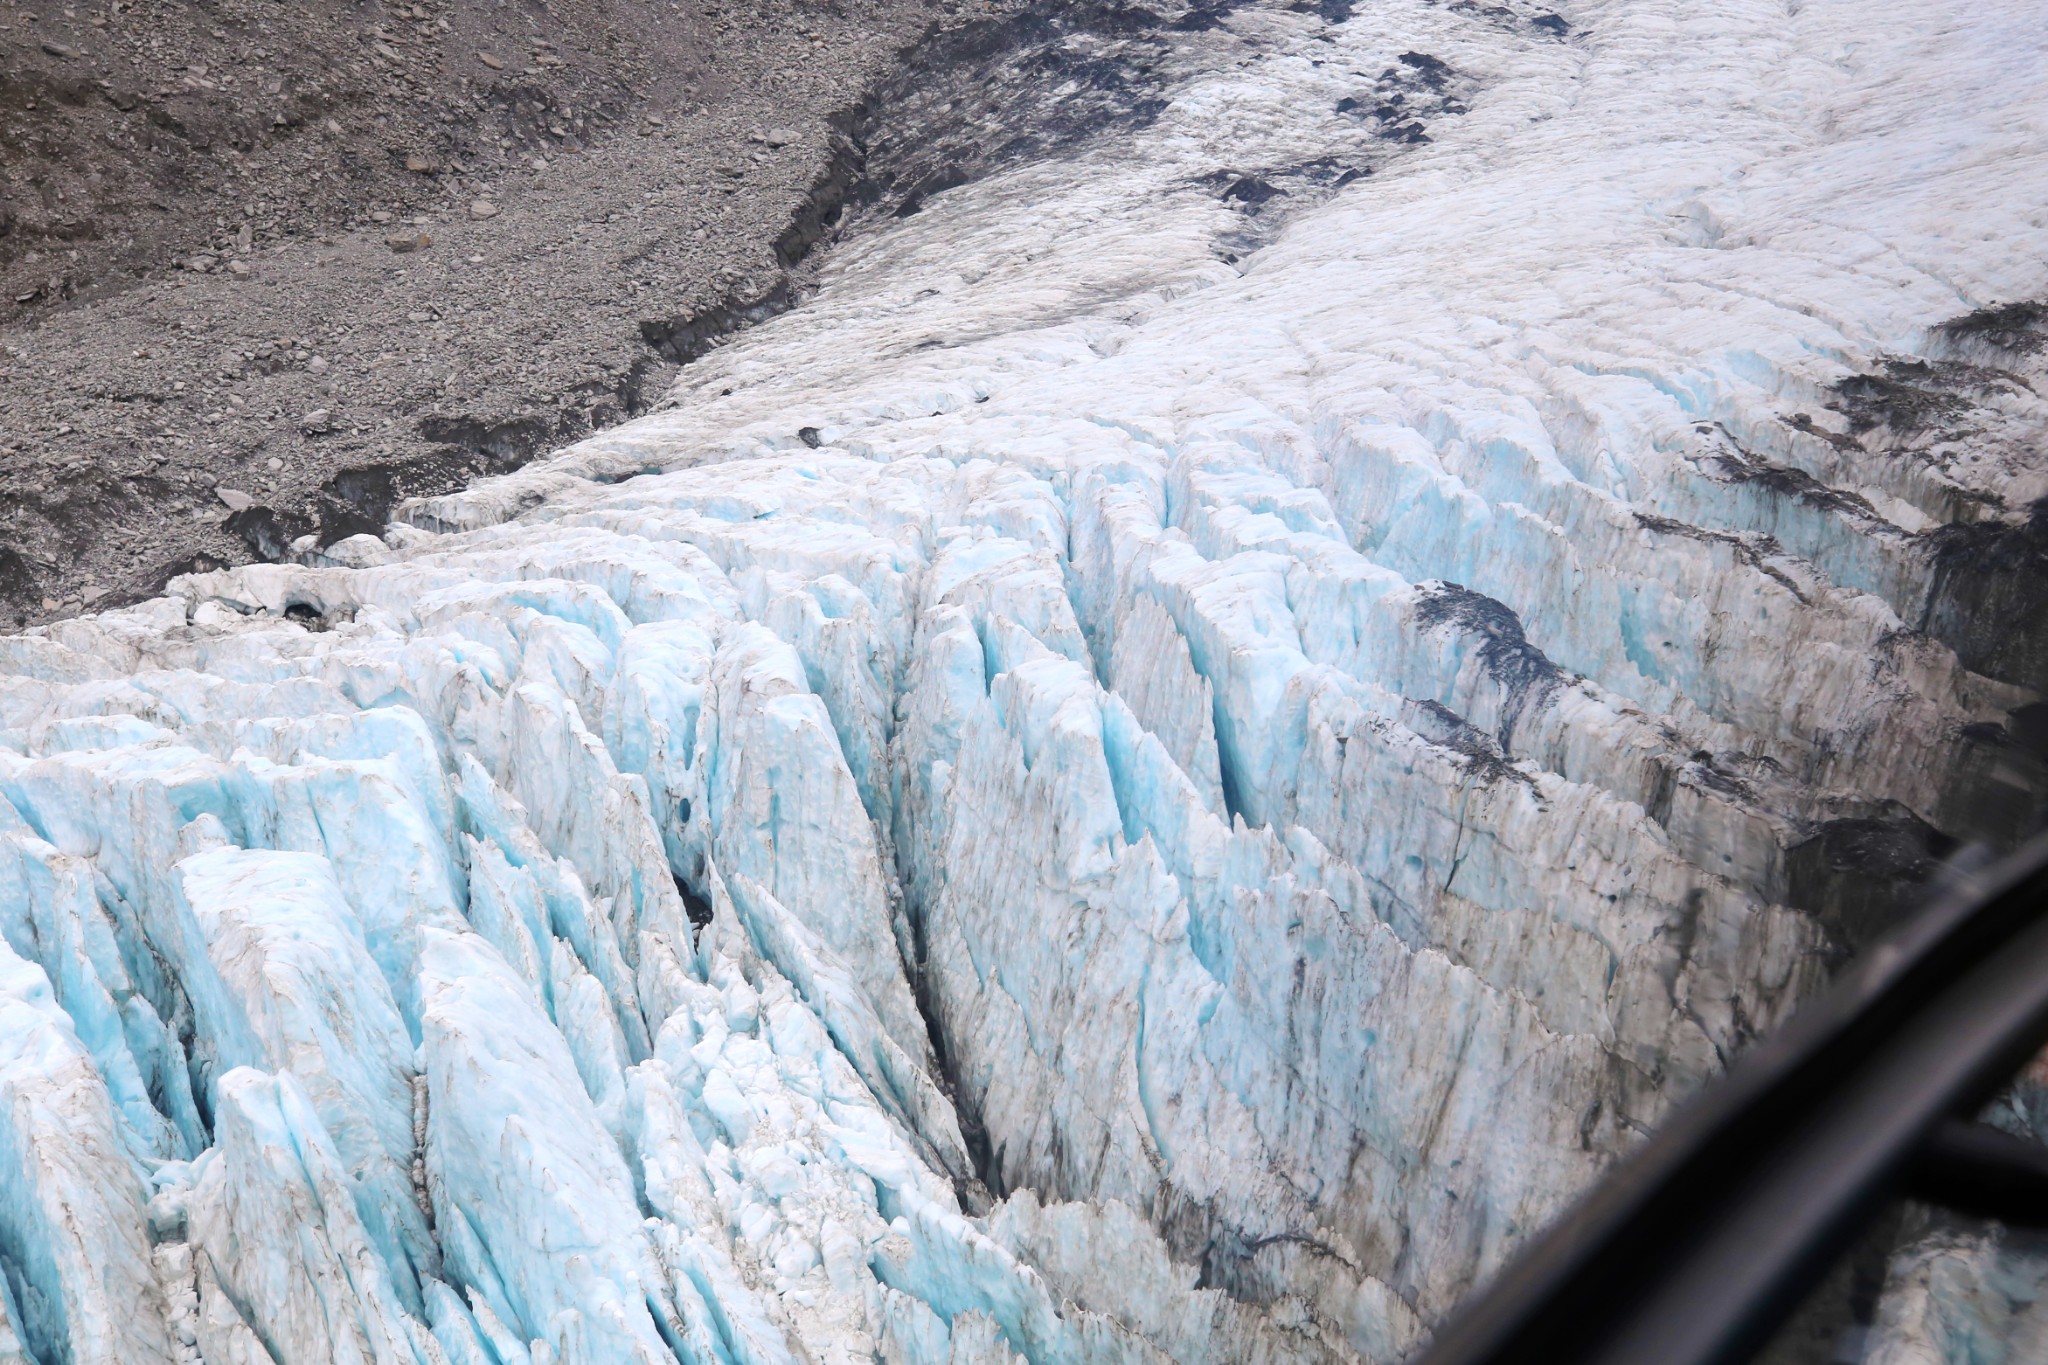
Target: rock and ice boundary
1161, 772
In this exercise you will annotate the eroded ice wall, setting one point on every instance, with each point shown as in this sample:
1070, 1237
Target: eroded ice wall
1161, 772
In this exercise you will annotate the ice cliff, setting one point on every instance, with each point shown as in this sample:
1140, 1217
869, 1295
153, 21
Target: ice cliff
1160, 772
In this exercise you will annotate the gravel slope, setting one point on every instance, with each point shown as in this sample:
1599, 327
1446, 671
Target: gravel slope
267, 270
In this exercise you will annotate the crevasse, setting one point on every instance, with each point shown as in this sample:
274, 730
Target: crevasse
1155, 774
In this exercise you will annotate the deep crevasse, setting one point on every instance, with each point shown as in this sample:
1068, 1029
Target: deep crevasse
1153, 775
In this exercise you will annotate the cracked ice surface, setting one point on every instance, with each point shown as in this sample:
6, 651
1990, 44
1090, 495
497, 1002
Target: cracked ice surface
1207, 807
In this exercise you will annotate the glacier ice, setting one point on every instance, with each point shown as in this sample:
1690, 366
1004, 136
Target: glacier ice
1241, 760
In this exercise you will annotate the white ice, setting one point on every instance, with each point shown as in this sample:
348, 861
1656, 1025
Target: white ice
1058, 870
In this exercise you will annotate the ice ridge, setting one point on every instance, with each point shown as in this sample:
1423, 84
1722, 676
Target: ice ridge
1162, 772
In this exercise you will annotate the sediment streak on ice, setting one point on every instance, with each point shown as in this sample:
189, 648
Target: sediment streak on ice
1212, 803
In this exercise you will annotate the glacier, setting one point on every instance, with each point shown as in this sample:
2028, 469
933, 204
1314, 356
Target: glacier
1162, 771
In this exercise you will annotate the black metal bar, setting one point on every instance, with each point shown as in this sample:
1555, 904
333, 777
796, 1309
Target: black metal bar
1695, 1249
1981, 1171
